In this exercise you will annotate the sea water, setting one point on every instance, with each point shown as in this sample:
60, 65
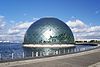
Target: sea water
10, 51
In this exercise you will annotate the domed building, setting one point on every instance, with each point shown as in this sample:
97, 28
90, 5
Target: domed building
49, 33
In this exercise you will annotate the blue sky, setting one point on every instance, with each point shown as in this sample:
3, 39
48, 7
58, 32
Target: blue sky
18, 10
81, 15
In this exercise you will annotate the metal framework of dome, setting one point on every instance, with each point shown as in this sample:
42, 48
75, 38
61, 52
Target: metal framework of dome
49, 31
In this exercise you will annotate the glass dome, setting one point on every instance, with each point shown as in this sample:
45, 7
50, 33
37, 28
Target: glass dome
48, 31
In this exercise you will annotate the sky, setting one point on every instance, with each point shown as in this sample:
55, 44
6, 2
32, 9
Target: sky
82, 16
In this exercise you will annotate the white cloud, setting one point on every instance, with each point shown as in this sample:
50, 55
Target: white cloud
16, 32
19, 28
34, 18
94, 29
83, 31
11, 38
2, 22
2, 25
76, 23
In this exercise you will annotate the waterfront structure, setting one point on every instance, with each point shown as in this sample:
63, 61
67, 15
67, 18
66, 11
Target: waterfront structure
48, 35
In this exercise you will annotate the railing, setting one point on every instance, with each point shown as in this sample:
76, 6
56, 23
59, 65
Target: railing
43, 54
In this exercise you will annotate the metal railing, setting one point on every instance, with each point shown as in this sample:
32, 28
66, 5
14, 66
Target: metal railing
43, 54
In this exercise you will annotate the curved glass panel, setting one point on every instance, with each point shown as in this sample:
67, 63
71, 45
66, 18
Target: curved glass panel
48, 30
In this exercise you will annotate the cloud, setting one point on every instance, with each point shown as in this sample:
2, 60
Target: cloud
94, 29
76, 23
34, 18
2, 25
11, 38
19, 28
16, 32
2, 22
83, 31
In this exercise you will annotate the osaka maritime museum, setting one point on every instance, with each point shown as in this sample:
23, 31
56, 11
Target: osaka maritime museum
48, 36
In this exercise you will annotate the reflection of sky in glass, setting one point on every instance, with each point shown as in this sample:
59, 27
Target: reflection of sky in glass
48, 33
49, 30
